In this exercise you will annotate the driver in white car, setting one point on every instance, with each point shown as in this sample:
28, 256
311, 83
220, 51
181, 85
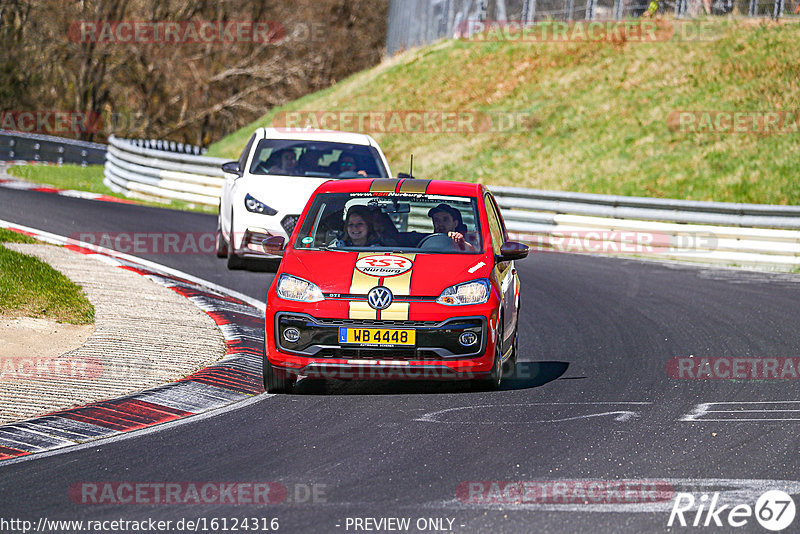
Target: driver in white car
447, 220
286, 162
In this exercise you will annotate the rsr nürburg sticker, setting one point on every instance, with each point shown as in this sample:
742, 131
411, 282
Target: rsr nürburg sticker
384, 265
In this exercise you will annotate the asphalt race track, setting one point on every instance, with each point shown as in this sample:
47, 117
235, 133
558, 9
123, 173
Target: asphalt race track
592, 403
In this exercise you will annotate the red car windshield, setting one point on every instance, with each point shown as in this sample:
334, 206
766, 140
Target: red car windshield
397, 222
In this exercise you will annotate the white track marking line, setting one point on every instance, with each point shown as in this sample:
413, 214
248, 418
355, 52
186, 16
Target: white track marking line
623, 415
98, 442
61, 240
699, 410
731, 491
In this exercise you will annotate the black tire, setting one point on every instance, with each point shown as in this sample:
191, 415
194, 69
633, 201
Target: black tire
275, 380
510, 365
272, 264
492, 382
220, 243
234, 261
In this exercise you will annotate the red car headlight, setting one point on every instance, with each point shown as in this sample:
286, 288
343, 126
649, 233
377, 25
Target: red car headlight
292, 288
474, 292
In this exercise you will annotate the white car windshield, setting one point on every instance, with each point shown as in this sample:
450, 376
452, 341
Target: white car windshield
316, 158
392, 222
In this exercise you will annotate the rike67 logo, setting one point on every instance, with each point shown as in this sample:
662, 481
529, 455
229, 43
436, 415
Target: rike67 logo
774, 510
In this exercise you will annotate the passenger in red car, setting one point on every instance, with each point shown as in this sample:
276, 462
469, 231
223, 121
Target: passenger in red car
359, 228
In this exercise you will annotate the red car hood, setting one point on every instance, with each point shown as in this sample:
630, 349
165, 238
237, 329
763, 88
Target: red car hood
355, 273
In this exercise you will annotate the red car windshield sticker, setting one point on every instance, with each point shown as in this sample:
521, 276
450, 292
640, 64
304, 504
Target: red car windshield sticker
384, 265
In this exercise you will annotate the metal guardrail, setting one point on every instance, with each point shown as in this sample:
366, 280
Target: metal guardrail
531, 205
709, 232
136, 170
759, 247
548, 220
21, 146
695, 231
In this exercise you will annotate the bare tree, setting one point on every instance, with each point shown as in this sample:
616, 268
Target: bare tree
187, 91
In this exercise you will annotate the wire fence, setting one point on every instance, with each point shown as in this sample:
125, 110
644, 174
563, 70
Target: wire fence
419, 22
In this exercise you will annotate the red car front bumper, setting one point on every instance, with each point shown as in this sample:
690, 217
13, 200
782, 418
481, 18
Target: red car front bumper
315, 347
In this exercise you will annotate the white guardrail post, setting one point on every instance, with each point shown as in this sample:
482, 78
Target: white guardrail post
710, 232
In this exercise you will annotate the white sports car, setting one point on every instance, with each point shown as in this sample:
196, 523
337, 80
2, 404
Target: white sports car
266, 190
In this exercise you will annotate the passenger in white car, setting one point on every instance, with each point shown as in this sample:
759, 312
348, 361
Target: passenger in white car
347, 168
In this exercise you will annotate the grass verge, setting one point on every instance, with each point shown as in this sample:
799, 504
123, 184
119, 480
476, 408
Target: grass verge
30, 287
600, 116
89, 178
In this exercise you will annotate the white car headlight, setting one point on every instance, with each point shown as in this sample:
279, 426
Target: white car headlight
256, 206
293, 288
475, 292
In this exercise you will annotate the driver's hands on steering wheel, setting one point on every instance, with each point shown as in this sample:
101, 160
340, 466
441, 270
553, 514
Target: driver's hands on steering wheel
459, 242
261, 168
352, 174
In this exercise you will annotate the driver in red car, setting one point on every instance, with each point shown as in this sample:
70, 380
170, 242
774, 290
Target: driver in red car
447, 220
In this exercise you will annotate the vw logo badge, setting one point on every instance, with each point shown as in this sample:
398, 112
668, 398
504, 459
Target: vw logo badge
379, 298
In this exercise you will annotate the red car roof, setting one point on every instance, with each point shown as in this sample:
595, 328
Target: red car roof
401, 185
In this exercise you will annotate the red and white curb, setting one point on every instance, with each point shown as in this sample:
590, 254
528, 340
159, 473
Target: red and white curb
11, 183
235, 378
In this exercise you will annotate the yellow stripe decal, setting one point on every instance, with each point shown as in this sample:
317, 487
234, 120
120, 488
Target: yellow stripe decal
414, 186
383, 185
399, 285
360, 285
361, 310
398, 311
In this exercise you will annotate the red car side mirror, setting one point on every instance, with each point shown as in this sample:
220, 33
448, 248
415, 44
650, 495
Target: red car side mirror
511, 250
